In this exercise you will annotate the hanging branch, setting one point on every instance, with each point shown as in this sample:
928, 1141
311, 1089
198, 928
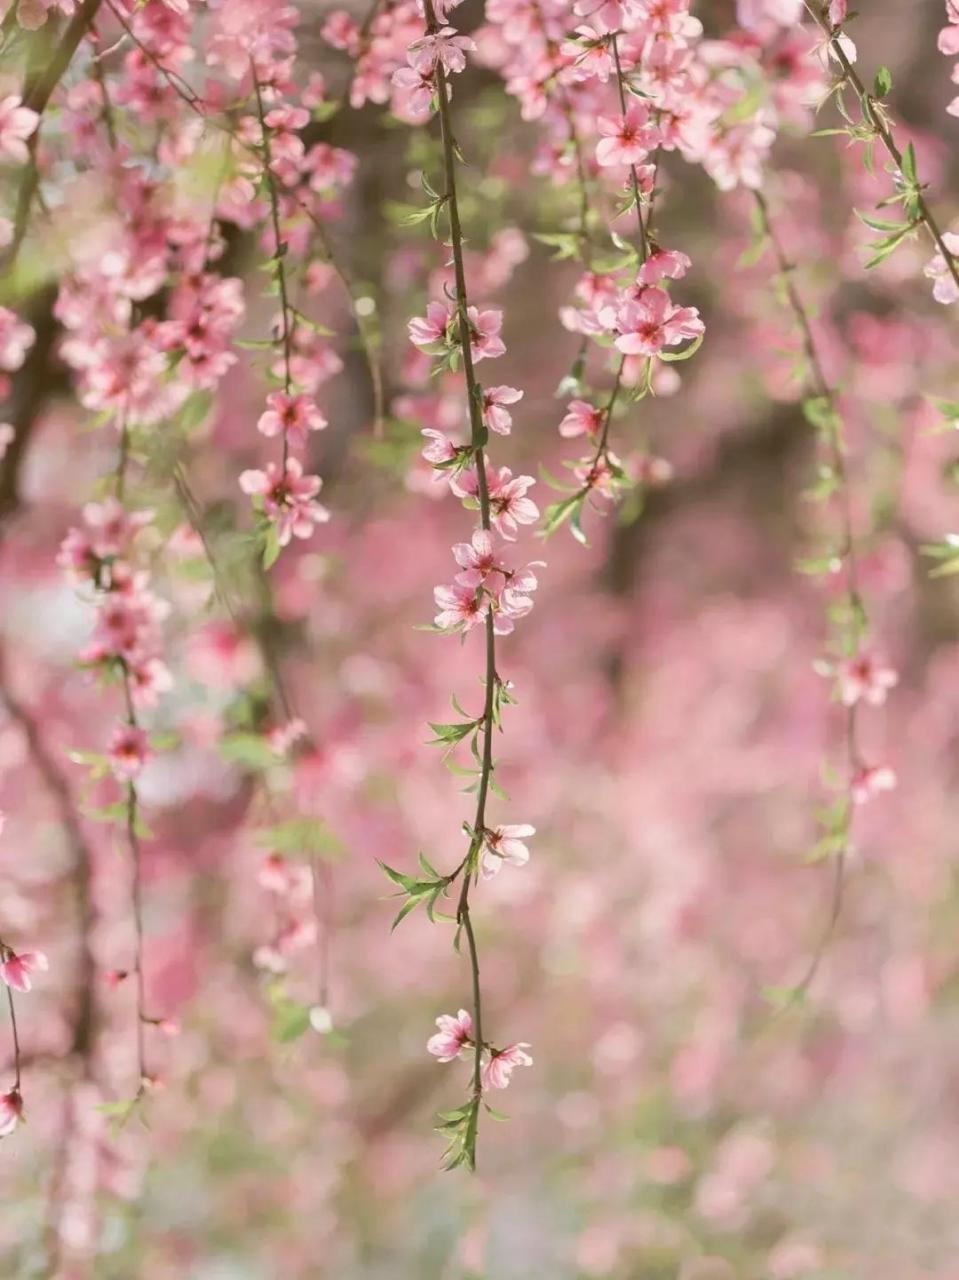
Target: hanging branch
876, 124
855, 670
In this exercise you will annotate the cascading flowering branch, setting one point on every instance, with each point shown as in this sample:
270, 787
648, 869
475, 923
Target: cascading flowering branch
149, 318
489, 592
16, 972
100, 559
613, 94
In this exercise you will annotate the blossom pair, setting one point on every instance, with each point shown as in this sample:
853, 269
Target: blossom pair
509, 505
288, 498
439, 329
484, 582
647, 320
456, 1034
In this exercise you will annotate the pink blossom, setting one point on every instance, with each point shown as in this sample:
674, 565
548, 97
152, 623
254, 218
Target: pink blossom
11, 1111
627, 139
112, 527
342, 31
16, 339
837, 11
652, 321
415, 97
582, 418
865, 677
431, 329
127, 752
591, 58
485, 342
289, 499
949, 40
442, 8
514, 601
509, 505
439, 448
460, 606
505, 844
495, 415
945, 289
283, 737
663, 264
445, 47
15, 969
597, 475
498, 1070
17, 123
293, 415
278, 875
453, 1035
477, 558
652, 471
871, 780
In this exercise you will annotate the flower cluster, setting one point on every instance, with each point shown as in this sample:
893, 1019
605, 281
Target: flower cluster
16, 970
126, 645
455, 1036
101, 559
487, 591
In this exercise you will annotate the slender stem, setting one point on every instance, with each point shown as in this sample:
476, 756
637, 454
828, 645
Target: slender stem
369, 345
174, 79
59, 789
132, 802
279, 245
16, 1039
877, 121
620, 84
477, 440
849, 556
133, 843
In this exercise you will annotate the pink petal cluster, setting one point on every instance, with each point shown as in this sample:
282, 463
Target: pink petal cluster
455, 1033
129, 616
485, 582
288, 498
944, 289
11, 1111
17, 123
505, 845
648, 320
501, 1063
291, 416
864, 678
627, 139
16, 968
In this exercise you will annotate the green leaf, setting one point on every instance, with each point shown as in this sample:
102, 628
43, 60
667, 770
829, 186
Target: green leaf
880, 224
290, 1020
404, 881
671, 357
558, 513
781, 997
410, 905
250, 750
271, 546
301, 836
909, 164
882, 83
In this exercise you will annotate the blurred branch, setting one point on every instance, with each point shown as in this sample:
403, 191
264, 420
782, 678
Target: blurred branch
59, 790
32, 384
